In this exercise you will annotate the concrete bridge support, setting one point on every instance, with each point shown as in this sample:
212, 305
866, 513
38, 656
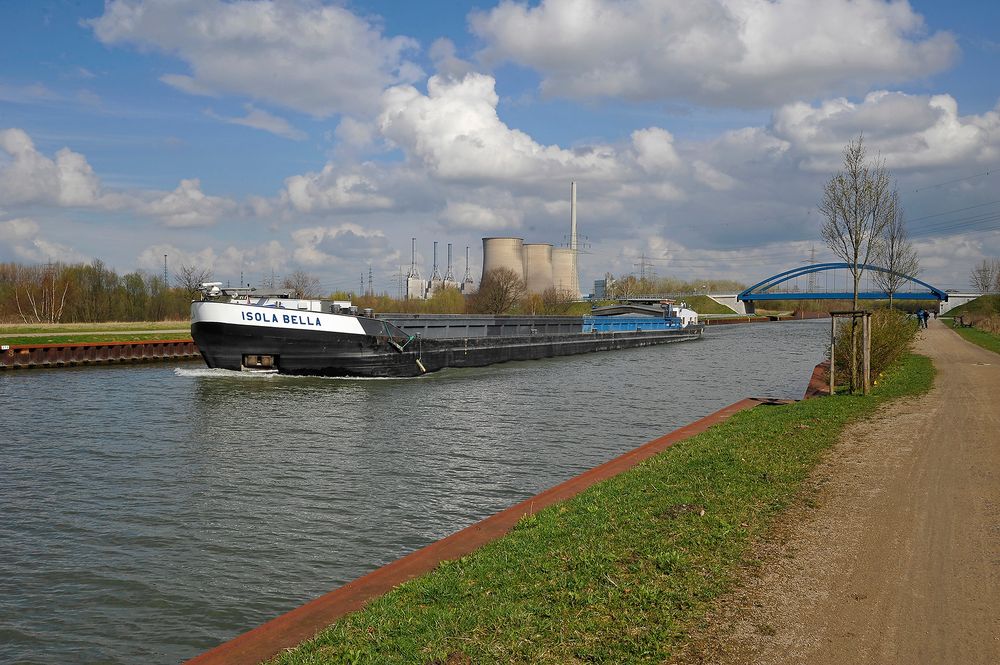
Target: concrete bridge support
730, 301
956, 299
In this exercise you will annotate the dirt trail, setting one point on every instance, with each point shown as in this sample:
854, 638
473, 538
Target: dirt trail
894, 556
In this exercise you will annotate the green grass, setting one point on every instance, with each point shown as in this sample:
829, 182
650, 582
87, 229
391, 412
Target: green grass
621, 572
80, 333
705, 305
86, 339
989, 304
66, 328
982, 338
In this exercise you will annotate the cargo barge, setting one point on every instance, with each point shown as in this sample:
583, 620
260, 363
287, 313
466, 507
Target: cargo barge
237, 330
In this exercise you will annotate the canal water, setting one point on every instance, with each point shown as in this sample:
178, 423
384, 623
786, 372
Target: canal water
148, 513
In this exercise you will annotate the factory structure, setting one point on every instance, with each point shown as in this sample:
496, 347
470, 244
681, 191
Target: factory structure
541, 266
420, 289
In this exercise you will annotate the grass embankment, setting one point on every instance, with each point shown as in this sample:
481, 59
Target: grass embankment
621, 572
705, 305
984, 314
787, 306
987, 340
983, 305
79, 333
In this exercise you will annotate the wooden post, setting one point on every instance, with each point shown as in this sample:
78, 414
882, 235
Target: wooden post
833, 369
866, 342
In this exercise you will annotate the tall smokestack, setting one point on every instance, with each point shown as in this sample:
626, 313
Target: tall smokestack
572, 217
574, 285
435, 275
414, 273
448, 275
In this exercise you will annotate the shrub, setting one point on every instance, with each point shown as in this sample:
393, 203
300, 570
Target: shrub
990, 324
892, 336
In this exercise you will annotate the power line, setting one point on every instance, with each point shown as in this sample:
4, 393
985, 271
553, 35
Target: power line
949, 212
951, 182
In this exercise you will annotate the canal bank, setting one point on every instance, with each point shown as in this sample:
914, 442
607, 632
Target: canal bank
618, 573
891, 556
289, 630
460, 578
175, 507
51, 356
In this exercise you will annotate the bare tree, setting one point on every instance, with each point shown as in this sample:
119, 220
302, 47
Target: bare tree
44, 295
190, 278
556, 301
625, 287
499, 291
985, 277
302, 283
857, 204
895, 253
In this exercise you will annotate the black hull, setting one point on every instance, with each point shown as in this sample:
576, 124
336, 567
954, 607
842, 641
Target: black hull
320, 353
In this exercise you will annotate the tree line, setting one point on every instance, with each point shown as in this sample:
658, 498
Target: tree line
502, 291
94, 292
629, 286
87, 292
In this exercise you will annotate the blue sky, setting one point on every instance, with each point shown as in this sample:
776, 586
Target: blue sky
299, 135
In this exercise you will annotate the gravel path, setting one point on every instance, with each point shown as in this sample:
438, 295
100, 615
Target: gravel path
893, 555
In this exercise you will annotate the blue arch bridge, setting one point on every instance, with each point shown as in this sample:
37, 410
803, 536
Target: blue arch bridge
823, 281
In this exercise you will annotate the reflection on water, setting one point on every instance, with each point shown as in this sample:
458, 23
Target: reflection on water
148, 513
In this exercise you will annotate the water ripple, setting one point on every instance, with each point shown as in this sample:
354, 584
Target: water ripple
148, 513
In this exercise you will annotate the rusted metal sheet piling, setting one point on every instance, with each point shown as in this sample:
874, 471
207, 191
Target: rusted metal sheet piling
32, 356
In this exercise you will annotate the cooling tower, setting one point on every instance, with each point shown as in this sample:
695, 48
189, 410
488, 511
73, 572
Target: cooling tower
564, 276
503, 253
537, 267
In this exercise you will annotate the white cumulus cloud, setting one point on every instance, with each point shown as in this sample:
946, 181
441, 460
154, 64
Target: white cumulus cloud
24, 242
31, 177
253, 263
316, 58
454, 132
740, 53
908, 131
467, 215
325, 246
188, 206
334, 189
28, 177
655, 150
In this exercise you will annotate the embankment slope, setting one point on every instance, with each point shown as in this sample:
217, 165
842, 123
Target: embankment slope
892, 555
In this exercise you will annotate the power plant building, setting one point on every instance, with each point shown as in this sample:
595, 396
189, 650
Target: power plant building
537, 267
564, 276
503, 253
540, 265
420, 289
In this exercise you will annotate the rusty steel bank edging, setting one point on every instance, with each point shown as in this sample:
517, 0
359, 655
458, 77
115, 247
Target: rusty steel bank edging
302, 623
33, 356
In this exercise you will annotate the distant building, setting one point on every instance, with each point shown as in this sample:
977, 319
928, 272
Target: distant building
540, 265
416, 288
